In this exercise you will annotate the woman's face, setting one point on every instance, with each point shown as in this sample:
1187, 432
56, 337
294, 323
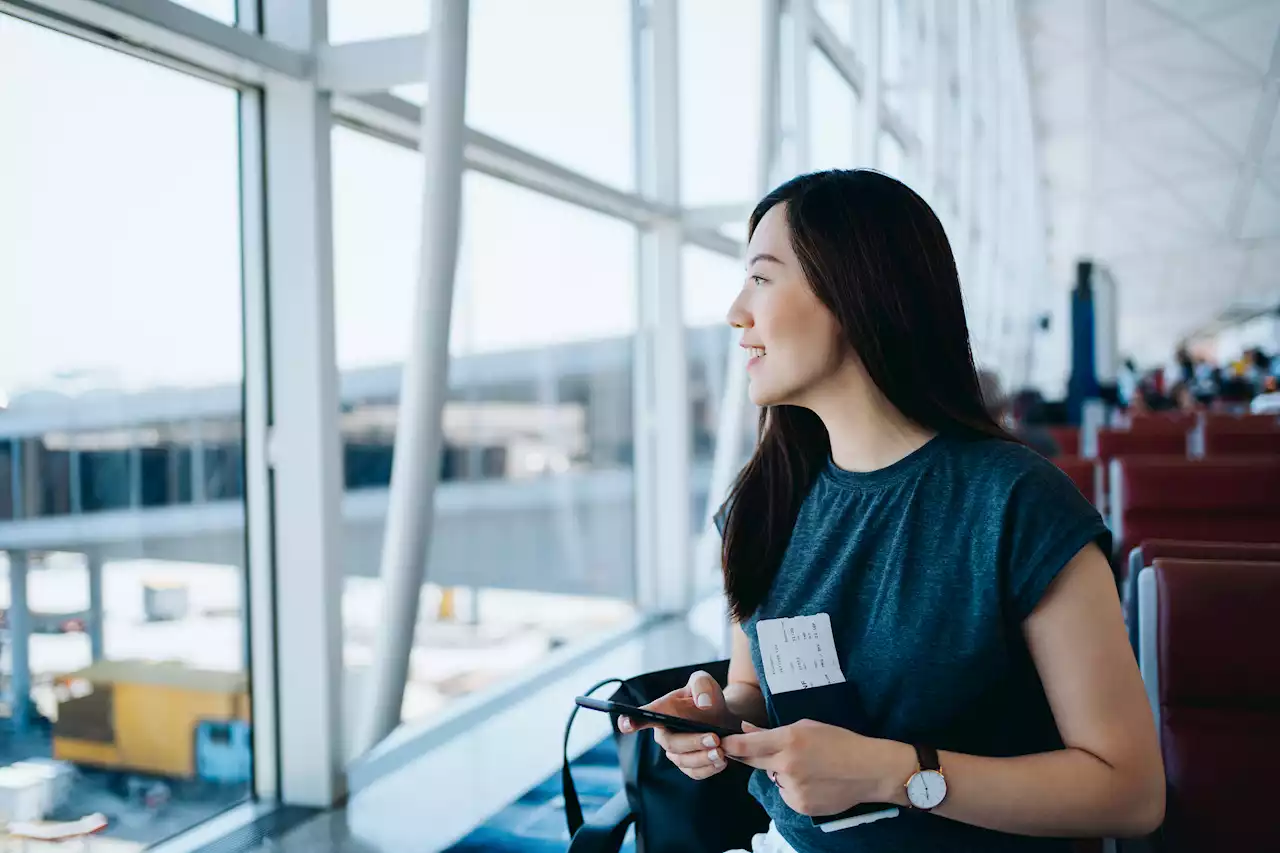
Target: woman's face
793, 342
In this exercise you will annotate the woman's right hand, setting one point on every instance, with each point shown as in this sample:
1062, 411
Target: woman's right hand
697, 755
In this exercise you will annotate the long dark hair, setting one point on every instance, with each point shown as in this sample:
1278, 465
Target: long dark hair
878, 258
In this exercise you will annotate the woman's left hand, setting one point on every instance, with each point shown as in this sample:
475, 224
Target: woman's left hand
822, 769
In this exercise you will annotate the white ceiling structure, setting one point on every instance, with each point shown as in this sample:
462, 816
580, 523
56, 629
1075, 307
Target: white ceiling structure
1159, 150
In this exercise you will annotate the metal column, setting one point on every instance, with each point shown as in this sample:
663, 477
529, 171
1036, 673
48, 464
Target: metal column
97, 613
410, 510
19, 641
664, 581
302, 444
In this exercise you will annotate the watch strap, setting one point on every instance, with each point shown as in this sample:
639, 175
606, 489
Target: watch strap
927, 756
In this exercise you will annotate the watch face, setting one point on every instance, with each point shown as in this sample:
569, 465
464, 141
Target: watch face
926, 789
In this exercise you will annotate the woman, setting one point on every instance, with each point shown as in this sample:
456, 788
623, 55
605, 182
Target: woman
966, 656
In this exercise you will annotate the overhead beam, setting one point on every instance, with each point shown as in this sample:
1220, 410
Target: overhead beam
838, 53
1264, 117
175, 32
372, 66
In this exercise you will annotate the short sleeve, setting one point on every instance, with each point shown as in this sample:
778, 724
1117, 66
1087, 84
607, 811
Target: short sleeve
1046, 523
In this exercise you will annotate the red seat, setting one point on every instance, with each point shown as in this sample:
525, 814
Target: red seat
1235, 499
1241, 437
1164, 422
1165, 441
1068, 440
1216, 695
1154, 549
1083, 472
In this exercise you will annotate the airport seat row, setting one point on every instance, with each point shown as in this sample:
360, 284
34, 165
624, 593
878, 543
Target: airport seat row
1212, 675
1198, 547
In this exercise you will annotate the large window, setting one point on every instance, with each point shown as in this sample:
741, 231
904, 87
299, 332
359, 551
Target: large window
832, 116
121, 531
533, 538
719, 102
526, 82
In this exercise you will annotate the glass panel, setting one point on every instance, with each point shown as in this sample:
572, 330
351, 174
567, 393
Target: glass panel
554, 77
832, 116
719, 101
891, 156
219, 10
120, 335
533, 538
711, 282
361, 20
839, 15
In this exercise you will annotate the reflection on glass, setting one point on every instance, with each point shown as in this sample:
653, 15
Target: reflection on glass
124, 669
532, 544
719, 101
832, 116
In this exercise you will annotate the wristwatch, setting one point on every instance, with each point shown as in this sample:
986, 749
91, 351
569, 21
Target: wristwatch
927, 787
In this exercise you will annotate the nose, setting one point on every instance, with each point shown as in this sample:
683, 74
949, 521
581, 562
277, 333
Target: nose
738, 316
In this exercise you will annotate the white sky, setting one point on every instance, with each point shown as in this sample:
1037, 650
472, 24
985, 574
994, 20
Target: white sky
119, 229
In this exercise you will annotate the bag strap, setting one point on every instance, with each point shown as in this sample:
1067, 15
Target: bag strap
572, 805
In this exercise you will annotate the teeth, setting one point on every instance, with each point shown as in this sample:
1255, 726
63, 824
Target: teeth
756, 351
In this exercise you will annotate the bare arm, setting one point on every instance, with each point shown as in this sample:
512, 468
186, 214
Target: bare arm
742, 693
1109, 780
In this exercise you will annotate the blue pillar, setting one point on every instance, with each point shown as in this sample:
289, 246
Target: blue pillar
1083, 384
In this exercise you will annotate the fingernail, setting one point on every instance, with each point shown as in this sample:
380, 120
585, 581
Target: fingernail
624, 723
709, 740
703, 700
714, 755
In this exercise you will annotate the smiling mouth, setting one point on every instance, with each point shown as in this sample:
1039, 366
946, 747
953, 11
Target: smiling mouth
756, 352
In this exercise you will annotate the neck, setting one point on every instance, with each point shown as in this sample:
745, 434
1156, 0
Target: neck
867, 432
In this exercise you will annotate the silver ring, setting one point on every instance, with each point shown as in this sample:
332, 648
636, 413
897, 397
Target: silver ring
773, 776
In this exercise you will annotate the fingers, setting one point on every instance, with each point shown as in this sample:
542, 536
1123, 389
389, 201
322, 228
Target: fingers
755, 748
705, 690
699, 765
683, 741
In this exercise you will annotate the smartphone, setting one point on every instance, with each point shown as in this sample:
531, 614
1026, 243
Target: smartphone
675, 724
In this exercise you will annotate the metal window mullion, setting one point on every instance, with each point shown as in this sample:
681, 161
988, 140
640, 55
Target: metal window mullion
872, 102
170, 33
302, 444
259, 590
664, 581
802, 46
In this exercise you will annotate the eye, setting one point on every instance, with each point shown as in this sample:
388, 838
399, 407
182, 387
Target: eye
758, 280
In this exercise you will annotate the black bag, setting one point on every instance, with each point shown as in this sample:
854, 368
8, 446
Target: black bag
672, 813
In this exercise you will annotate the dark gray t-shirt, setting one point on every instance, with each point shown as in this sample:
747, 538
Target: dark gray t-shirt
927, 569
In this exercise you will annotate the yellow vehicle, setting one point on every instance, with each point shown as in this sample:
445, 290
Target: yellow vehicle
141, 716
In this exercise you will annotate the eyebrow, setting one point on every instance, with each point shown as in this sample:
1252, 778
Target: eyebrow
763, 257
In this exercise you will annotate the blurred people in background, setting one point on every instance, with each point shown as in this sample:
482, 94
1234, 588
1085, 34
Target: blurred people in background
1023, 414
1195, 383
